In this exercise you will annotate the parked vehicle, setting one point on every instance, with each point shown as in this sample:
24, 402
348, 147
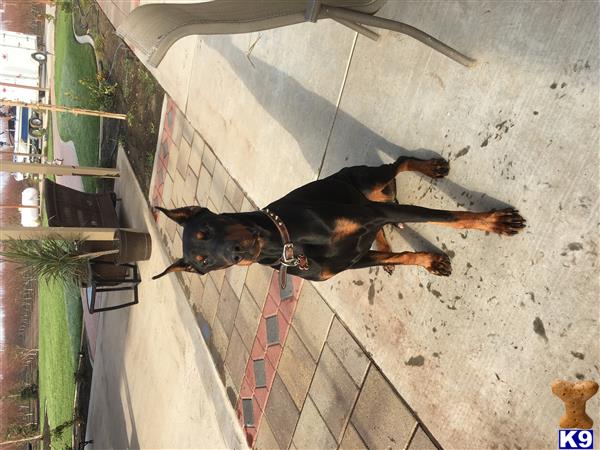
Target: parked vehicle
23, 63
26, 135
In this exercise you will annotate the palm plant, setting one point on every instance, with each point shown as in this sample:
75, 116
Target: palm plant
53, 258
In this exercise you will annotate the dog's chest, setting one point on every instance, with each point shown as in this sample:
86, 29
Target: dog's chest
341, 244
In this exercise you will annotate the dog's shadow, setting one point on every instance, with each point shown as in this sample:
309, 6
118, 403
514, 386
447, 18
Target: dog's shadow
297, 116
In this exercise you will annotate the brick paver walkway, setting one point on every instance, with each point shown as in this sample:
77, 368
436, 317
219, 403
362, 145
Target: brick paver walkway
292, 370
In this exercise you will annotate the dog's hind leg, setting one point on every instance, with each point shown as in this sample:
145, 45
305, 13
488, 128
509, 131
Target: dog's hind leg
505, 221
384, 246
438, 264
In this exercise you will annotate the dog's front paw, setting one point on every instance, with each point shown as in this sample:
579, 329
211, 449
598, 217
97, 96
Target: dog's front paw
506, 222
439, 265
437, 168
389, 268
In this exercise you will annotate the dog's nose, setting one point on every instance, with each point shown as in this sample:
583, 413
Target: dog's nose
236, 251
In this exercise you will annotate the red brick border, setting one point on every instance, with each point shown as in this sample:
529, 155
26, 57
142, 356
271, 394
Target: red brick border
274, 306
166, 146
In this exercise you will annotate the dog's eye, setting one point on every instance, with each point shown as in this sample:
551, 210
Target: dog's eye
205, 262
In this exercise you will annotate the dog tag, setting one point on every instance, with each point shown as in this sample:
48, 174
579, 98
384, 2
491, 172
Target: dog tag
287, 292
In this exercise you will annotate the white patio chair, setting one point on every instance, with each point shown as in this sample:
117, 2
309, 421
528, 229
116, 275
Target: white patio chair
154, 28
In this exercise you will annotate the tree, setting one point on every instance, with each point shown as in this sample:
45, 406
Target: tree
29, 391
20, 431
37, 437
15, 354
22, 392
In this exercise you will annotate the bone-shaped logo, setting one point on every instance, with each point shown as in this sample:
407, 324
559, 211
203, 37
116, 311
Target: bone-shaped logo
574, 396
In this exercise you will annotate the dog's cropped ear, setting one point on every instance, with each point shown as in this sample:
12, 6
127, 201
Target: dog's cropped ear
180, 215
178, 266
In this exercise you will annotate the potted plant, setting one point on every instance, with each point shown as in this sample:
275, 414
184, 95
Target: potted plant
53, 258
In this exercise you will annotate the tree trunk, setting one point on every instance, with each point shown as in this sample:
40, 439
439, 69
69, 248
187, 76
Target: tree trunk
37, 437
93, 255
6, 397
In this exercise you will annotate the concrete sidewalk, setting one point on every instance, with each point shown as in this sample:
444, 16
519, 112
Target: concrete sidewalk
153, 386
472, 356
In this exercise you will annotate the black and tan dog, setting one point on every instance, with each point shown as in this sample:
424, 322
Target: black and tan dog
327, 226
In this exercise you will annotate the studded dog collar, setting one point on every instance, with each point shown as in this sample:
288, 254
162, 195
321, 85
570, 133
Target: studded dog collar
287, 259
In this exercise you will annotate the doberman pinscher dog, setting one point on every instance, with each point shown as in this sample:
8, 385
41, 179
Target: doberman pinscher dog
327, 226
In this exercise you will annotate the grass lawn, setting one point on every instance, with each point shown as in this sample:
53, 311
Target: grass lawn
60, 312
74, 62
60, 321
60, 317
